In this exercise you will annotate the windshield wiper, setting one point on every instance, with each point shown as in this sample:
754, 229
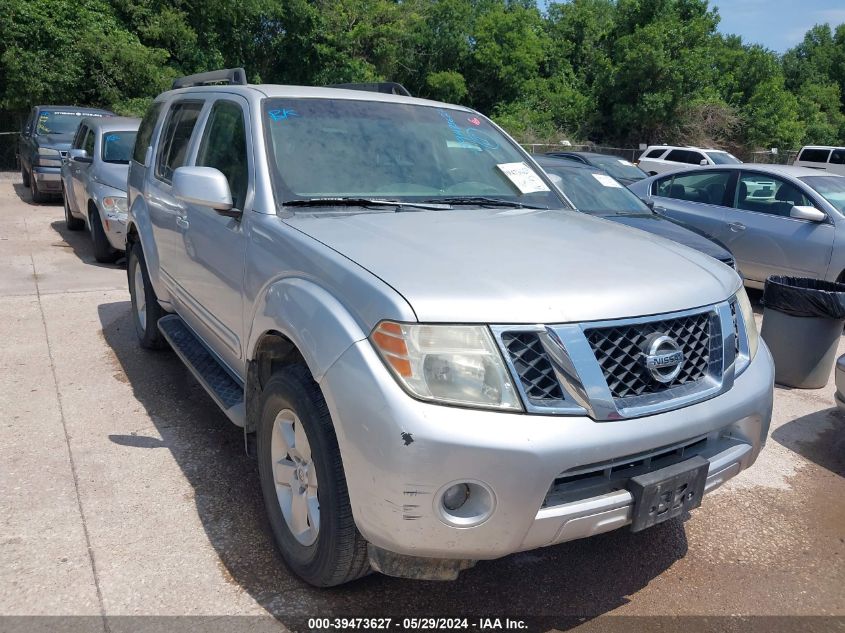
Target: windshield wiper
361, 202
483, 201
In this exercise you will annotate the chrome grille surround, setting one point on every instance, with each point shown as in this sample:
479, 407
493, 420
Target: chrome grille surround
585, 385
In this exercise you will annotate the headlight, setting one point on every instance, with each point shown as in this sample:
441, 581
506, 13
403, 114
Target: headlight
451, 364
749, 325
48, 151
115, 207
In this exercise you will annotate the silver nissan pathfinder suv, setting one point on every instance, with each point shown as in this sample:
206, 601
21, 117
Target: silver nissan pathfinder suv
434, 359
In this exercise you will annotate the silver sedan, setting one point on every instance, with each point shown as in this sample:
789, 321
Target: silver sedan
94, 182
776, 220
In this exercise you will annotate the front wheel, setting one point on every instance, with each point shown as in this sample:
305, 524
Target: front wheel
37, 195
104, 252
145, 308
24, 176
303, 482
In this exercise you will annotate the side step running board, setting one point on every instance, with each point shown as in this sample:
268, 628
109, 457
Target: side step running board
225, 390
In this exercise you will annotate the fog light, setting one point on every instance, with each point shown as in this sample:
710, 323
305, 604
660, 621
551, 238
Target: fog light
456, 496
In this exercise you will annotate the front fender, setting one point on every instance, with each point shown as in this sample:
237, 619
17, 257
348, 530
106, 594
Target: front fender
311, 317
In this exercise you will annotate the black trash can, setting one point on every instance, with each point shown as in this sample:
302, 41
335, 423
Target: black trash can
802, 324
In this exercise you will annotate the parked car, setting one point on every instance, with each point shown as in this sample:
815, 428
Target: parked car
357, 279
595, 192
657, 159
622, 170
825, 157
776, 220
45, 139
94, 182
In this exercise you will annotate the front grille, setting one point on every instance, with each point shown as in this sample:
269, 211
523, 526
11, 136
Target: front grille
619, 350
533, 367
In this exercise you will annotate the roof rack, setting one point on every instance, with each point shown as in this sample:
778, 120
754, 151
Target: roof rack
384, 87
231, 76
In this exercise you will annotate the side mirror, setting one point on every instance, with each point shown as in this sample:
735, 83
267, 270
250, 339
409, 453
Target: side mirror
648, 202
79, 156
807, 213
206, 187
702, 162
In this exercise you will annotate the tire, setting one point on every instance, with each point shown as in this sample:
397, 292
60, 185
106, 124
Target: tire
24, 176
140, 289
104, 252
72, 223
338, 553
37, 196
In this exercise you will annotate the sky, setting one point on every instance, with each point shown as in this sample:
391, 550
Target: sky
776, 24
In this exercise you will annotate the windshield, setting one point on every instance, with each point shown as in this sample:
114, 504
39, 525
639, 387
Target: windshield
723, 158
618, 167
59, 123
596, 192
333, 148
831, 188
118, 146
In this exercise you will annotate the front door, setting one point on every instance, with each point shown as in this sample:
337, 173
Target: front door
212, 272
763, 237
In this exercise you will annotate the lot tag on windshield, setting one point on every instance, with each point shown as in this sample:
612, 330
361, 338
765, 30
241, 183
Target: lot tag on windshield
606, 180
523, 177
625, 162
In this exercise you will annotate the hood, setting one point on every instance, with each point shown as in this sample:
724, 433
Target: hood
521, 265
663, 227
54, 141
114, 175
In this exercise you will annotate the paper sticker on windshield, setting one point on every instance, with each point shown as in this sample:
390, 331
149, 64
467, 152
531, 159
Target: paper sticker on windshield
625, 162
606, 180
523, 177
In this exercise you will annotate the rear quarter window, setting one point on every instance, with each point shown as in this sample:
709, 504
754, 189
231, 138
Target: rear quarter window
145, 132
814, 155
655, 153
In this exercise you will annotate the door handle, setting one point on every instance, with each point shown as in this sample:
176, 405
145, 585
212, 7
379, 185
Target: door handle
736, 227
182, 222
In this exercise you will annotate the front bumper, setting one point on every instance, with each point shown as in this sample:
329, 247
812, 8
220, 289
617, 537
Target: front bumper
114, 224
49, 179
400, 454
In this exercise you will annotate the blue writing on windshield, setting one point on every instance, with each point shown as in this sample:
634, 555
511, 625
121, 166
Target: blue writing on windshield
281, 115
467, 135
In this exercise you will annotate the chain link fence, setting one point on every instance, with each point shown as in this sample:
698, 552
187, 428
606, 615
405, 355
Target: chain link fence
8, 148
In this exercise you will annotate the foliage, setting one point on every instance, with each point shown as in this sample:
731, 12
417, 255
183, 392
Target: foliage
607, 71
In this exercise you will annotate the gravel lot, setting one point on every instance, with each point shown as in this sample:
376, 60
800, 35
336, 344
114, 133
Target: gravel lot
126, 492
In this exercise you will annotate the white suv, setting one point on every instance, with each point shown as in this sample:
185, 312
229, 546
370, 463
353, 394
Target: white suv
659, 158
825, 157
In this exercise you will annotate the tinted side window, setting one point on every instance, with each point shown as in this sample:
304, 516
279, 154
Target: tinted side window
175, 137
224, 147
707, 187
655, 153
145, 133
814, 155
837, 157
661, 187
88, 144
677, 155
767, 194
80, 136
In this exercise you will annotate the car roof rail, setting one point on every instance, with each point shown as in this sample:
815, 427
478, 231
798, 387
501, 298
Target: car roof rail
230, 76
384, 87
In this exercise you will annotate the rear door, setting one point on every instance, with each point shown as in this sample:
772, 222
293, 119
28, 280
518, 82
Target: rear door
167, 214
696, 198
836, 163
763, 237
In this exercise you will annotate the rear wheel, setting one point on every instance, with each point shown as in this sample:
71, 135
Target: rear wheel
73, 223
145, 308
303, 482
104, 252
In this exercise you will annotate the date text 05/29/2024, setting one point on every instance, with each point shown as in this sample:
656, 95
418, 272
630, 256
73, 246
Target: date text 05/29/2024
417, 624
